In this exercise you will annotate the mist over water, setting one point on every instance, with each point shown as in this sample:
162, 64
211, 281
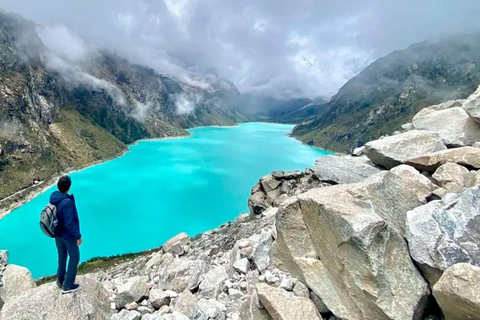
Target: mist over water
158, 189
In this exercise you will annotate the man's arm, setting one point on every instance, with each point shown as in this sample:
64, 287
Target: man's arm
70, 219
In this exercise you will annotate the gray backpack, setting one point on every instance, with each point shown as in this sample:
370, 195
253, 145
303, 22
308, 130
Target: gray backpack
48, 220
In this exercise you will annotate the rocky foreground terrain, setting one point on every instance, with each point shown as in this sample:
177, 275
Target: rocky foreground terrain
390, 232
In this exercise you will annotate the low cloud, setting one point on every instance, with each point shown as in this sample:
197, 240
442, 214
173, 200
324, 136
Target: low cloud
185, 104
283, 48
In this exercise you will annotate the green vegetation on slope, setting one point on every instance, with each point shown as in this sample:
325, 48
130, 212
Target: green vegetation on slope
72, 142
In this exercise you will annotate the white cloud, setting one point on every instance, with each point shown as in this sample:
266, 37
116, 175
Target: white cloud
259, 45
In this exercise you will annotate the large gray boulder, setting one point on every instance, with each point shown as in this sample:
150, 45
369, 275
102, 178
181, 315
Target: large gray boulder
158, 298
445, 232
453, 125
185, 302
16, 280
209, 309
458, 292
283, 305
357, 232
452, 177
213, 282
392, 151
132, 290
293, 239
345, 169
251, 310
183, 274
47, 302
466, 156
127, 315
472, 105
261, 250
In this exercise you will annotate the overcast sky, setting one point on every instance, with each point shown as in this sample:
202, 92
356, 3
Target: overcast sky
279, 47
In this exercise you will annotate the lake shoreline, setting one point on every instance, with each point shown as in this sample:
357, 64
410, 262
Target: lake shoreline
19, 198
10, 203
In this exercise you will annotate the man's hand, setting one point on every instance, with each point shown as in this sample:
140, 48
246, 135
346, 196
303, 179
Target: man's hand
79, 242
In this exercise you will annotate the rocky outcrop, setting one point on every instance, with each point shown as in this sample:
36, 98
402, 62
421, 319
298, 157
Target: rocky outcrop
392, 151
443, 233
350, 234
48, 302
16, 280
453, 125
472, 105
344, 169
282, 305
465, 156
273, 189
452, 177
458, 292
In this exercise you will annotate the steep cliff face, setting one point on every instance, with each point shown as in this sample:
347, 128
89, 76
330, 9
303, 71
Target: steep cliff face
391, 90
52, 119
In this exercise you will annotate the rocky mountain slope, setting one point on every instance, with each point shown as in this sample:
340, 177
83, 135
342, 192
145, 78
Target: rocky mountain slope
266, 108
391, 90
390, 233
56, 115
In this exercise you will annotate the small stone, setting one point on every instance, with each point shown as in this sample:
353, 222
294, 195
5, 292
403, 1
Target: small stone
301, 290
185, 302
270, 277
131, 306
127, 315
242, 265
163, 310
235, 294
158, 298
287, 284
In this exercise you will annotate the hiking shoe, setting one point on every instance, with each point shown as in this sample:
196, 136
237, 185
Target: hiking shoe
74, 288
59, 284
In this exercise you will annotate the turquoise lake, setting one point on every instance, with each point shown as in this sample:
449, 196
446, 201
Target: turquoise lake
158, 189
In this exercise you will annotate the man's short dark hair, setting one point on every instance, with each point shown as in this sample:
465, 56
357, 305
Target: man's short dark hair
64, 184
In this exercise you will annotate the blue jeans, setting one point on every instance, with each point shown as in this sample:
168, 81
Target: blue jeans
67, 248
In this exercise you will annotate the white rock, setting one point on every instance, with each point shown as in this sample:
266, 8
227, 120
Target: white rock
282, 306
213, 282
158, 298
286, 284
176, 244
242, 265
458, 292
453, 125
301, 290
472, 105
131, 291
185, 303
392, 151
90, 302
127, 315
16, 280
443, 233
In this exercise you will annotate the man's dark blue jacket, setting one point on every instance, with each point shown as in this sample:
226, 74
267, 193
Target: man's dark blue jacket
68, 223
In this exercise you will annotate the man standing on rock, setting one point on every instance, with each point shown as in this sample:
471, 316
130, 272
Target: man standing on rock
67, 235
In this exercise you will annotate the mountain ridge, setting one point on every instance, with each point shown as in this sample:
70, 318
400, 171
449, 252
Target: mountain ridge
71, 115
388, 92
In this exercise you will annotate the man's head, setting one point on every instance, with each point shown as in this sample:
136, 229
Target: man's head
64, 184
